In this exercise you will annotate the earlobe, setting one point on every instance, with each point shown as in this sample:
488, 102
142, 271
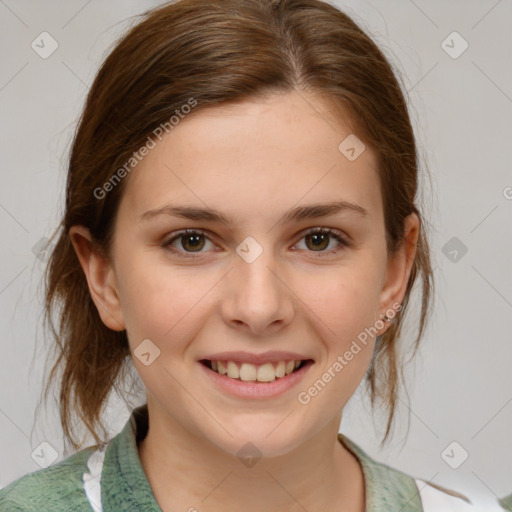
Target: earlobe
100, 278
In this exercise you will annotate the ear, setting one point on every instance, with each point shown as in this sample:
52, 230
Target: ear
399, 267
100, 277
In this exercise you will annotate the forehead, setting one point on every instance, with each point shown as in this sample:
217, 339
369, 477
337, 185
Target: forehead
258, 157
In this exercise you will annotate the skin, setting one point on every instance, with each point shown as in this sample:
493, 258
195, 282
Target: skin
253, 160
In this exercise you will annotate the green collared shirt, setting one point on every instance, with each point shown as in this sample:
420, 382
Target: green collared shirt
112, 479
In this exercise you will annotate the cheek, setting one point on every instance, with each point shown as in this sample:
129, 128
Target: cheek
158, 302
344, 300
344, 316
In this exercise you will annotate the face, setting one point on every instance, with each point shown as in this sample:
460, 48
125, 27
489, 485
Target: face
259, 287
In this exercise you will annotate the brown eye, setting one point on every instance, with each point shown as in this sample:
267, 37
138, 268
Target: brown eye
192, 242
318, 240
187, 242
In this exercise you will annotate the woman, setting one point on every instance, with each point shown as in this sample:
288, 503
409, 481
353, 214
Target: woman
240, 226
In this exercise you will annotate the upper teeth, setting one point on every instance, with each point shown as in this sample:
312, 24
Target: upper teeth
251, 372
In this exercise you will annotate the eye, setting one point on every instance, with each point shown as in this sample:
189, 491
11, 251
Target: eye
318, 238
192, 241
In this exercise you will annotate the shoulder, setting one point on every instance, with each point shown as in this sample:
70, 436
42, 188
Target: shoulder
388, 488
506, 502
439, 499
59, 487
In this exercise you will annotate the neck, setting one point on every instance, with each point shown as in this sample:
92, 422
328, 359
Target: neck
187, 472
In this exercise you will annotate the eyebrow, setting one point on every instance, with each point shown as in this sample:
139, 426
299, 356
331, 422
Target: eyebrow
310, 211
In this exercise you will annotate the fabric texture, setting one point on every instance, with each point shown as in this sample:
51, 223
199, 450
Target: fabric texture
111, 479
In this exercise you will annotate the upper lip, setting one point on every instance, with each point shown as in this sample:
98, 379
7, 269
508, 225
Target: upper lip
272, 356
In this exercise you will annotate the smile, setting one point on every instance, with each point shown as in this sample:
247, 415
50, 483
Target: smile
255, 381
248, 372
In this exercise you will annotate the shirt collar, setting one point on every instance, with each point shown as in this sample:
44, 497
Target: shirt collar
125, 486
386, 488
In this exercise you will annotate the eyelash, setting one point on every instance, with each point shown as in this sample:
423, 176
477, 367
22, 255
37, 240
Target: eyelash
344, 243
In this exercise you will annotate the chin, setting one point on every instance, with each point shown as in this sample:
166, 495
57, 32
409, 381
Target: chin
253, 441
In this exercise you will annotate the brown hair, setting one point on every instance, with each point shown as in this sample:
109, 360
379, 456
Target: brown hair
219, 52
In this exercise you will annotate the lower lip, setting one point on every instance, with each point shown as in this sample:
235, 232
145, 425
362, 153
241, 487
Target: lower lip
245, 389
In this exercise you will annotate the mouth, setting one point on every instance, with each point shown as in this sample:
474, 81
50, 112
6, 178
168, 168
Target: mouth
247, 372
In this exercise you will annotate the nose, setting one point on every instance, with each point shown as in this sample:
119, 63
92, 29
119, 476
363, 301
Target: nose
257, 299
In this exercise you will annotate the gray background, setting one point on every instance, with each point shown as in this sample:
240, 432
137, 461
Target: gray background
460, 384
